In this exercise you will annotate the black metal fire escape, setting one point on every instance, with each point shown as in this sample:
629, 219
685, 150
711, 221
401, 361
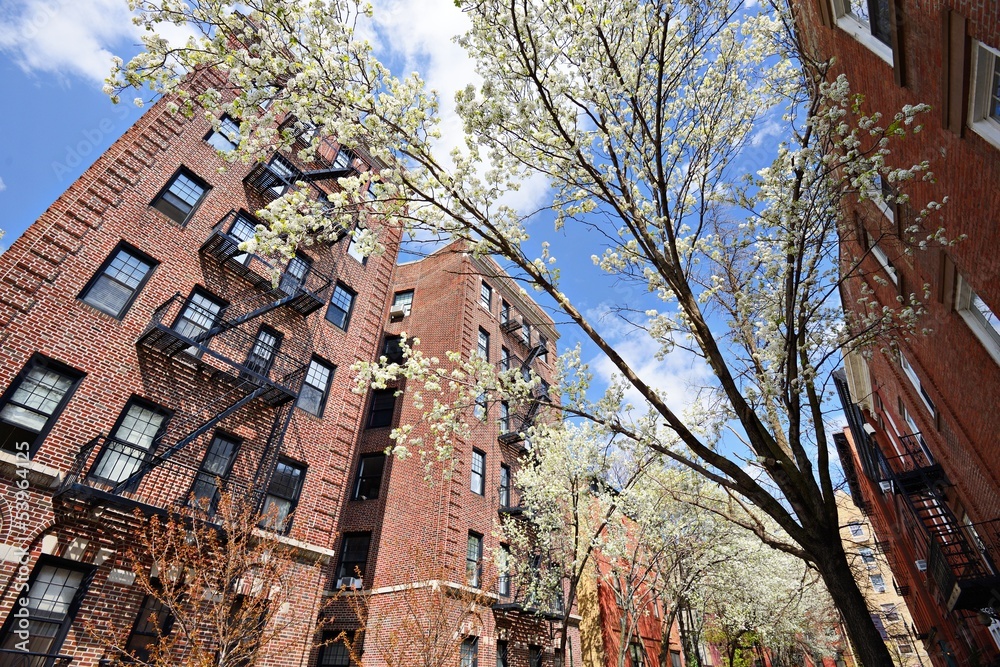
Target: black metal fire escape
525, 416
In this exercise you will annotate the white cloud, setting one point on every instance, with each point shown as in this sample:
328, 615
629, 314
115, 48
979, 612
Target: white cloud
3, 186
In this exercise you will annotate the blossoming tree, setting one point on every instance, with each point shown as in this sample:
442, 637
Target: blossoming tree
637, 114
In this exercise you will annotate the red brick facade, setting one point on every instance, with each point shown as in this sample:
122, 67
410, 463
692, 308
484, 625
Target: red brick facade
930, 407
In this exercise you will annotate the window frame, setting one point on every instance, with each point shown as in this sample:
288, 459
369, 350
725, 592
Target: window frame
503, 653
987, 334
985, 67
480, 472
863, 31
46, 560
360, 476
388, 344
319, 361
503, 573
165, 626
40, 360
350, 308
911, 374
341, 562
860, 529
216, 317
237, 443
329, 640
143, 403
535, 658
474, 568
197, 180
486, 296
213, 131
868, 558
483, 344
877, 587
407, 304
252, 363
129, 249
468, 655
882, 258
503, 421
293, 501
376, 394
505, 486
890, 611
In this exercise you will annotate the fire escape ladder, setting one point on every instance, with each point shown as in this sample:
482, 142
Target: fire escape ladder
186, 440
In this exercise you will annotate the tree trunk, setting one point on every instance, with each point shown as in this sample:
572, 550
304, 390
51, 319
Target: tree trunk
864, 636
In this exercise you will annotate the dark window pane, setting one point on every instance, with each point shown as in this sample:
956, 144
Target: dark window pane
353, 555
473, 560
215, 468
369, 480
115, 285
312, 397
341, 302
180, 197
382, 409
282, 495
478, 471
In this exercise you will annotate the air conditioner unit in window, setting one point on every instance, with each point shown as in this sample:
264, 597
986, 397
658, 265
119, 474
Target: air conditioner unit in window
885, 485
353, 583
921, 565
397, 311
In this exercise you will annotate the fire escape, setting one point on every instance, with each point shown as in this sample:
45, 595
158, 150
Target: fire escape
244, 365
523, 417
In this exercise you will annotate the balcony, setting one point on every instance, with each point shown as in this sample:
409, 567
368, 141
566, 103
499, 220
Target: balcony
509, 502
14, 658
962, 560
914, 469
273, 179
529, 600
299, 287
227, 352
120, 474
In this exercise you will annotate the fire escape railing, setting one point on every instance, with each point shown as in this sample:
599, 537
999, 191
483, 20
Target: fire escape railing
521, 416
509, 501
530, 599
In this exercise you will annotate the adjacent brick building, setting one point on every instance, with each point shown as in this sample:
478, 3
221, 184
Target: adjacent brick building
923, 411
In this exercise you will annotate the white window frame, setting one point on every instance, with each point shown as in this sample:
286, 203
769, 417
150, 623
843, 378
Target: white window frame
985, 60
878, 196
860, 535
878, 588
882, 259
859, 30
987, 333
911, 375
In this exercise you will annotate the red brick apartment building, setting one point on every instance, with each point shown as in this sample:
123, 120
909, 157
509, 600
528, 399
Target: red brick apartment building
925, 459
404, 534
145, 361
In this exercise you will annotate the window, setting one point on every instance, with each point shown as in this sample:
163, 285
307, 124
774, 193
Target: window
341, 303
369, 479
392, 349
878, 583
481, 408
243, 229
504, 420
227, 137
316, 387
984, 113
857, 530
534, 656
469, 652
214, 469
48, 605
543, 343
504, 485
882, 259
282, 495
200, 314
132, 441
478, 471
890, 612
264, 349
334, 652
294, 277
885, 196
486, 296
119, 280
284, 171
382, 408
32, 403
868, 558
526, 333
344, 159
504, 312
675, 659
153, 622
403, 300
905, 646
503, 659
557, 658
474, 560
911, 375
353, 556
484, 345
179, 199
353, 250
503, 577
635, 654
868, 21
504, 359
985, 324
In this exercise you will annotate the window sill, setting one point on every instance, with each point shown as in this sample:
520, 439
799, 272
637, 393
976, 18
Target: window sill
988, 130
863, 34
984, 336
39, 475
